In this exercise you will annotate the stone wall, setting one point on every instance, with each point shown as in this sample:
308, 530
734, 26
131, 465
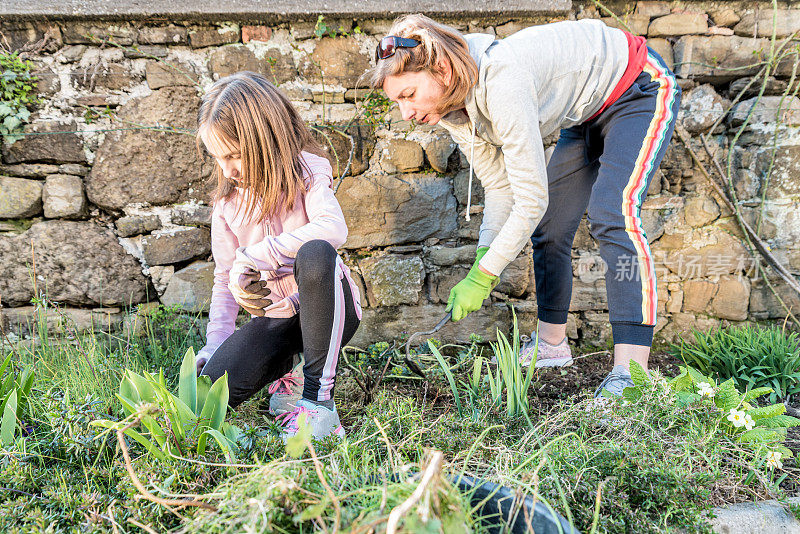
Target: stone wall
104, 204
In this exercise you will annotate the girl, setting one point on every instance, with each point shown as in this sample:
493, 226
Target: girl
615, 102
274, 232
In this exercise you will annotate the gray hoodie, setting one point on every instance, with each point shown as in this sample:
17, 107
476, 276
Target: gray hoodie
530, 84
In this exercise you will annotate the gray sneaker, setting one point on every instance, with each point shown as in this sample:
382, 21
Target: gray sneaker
617, 380
323, 422
547, 355
286, 391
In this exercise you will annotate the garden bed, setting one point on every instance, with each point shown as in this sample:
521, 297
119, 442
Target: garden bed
650, 464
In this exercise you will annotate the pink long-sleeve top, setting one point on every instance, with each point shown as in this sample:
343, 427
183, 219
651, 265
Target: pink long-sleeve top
273, 244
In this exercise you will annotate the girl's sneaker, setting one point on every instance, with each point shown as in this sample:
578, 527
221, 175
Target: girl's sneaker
548, 355
286, 391
322, 421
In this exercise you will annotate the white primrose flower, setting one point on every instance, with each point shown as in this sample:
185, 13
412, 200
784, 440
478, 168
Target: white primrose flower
737, 417
774, 460
706, 390
748, 422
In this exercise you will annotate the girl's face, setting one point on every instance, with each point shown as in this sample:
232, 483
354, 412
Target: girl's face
225, 154
418, 94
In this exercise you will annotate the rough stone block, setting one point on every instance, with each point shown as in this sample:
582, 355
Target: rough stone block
636, 23
190, 288
700, 211
63, 196
191, 215
339, 58
137, 224
725, 17
392, 280
663, 48
101, 75
787, 22
171, 34
732, 298
203, 37
169, 75
701, 108
653, 9
176, 245
396, 209
678, 24
438, 151
48, 147
708, 59
77, 263
697, 294
148, 166
401, 155
256, 33
19, 197
94, 33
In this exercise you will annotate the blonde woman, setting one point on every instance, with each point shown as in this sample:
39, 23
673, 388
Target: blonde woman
615, 102
274, 232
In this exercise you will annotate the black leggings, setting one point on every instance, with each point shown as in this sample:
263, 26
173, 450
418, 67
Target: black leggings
261, 351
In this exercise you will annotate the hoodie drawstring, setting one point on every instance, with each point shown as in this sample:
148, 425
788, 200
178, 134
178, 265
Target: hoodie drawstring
471, 159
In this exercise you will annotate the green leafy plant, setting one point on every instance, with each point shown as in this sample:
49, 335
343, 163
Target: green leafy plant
515, 379
14, 393
762, 429
753, 357
176, 424
17, 94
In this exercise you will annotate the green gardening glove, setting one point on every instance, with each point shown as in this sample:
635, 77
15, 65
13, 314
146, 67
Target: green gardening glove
468, 295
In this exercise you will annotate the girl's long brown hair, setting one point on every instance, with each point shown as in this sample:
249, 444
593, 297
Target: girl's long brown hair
247, 111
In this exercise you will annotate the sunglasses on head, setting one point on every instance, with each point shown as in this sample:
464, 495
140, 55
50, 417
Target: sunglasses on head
389, 45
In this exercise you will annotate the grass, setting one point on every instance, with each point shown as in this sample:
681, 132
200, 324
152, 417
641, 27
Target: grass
646, 466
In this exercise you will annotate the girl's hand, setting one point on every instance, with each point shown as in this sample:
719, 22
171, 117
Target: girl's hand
246, 286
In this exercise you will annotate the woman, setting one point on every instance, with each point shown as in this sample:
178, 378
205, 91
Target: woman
615, 102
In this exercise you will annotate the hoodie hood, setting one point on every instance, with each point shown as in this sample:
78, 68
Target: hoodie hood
478, 44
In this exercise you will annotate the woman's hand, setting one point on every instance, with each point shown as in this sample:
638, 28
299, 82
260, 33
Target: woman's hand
468, 295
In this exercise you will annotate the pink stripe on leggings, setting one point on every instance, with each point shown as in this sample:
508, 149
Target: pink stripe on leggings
332, 358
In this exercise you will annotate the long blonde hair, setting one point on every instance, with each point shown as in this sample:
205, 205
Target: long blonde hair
246, 110
437, 42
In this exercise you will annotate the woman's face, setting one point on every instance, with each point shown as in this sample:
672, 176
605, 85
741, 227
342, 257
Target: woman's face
418, 95
225, 154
